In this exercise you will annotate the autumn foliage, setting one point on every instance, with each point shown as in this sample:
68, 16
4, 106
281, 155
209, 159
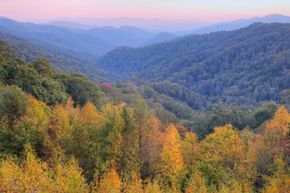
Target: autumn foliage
117, 148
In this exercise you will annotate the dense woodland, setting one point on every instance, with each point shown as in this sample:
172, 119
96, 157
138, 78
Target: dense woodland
244, 66
64, 133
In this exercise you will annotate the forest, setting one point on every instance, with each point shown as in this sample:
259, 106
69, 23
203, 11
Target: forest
243, 66
62, 132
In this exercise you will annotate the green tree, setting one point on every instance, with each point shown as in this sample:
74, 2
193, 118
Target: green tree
13, 104
42, 66
81, 89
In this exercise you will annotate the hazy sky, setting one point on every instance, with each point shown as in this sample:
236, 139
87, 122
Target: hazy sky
205, 10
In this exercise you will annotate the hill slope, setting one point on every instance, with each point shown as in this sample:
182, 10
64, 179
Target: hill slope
162, 37
243, 66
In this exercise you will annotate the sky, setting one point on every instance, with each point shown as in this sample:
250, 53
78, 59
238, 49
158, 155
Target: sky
193, 10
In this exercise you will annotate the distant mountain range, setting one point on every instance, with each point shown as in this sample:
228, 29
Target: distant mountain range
150, 24
240, 23
243, 66
179, 27
57, 37
91, 42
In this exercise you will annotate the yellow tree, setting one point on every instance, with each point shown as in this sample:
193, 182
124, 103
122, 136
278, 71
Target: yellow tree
89, 115
37, 114
109, 183
31, 176
152, 186
280, 122
277, 185
35, 177
134, 185
68, 178
196, 184
60, 123
276, 130
270, 144
59, 131
151, 145
9, 176
221, 154
171, 155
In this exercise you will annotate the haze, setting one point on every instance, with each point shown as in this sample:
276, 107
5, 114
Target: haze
193, 10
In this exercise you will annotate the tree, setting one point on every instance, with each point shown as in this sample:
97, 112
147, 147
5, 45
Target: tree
48, 90
9, 172
190, 150
44, 88
152, 186
196, 184
85, 137
263, 113
171, 155
31, 176
89, 115
279, 181
130, 161
60, 122
13, 104
42, 66
38, 114
273, 138
151, 146
30, 129
109, 183
134, 185
7, 55
271, 144
81, 89
221, 154
111, 139
279, 125
68, 178
59, 131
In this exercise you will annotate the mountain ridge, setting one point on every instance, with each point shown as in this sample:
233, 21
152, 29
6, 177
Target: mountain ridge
240, 23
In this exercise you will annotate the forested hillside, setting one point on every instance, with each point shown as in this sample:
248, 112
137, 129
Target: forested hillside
239, 67
63, 133
42, 81
67, 61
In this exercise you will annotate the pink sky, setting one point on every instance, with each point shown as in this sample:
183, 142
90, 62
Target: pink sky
197, 10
